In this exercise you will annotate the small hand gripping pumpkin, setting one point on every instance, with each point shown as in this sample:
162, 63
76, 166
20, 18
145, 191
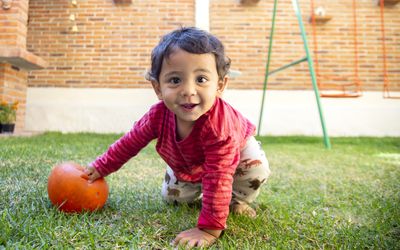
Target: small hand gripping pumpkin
70, 191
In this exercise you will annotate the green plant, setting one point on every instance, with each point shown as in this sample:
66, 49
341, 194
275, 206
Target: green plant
8, 112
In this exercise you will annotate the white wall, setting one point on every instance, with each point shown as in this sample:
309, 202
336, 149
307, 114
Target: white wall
202, 14
285, 112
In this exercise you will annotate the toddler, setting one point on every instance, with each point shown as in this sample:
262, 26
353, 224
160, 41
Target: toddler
209, 147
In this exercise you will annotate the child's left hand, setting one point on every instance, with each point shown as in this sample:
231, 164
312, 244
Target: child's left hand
194, 238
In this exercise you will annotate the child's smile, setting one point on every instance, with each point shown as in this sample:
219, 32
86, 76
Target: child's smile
189, 106
189, 85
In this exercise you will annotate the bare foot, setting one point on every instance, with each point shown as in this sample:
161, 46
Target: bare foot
243, 209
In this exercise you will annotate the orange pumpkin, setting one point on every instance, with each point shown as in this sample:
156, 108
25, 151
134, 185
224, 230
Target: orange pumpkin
70, 191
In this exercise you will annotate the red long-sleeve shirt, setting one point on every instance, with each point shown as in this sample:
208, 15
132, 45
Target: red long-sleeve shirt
209, 154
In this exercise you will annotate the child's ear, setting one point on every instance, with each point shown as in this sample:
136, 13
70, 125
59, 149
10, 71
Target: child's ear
222, 85
157, 88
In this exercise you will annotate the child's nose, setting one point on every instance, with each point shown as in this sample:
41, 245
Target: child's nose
189, 89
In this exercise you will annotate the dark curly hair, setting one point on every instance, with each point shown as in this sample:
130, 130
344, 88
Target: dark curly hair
192, 40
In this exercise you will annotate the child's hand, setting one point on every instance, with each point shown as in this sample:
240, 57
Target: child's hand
196, 238
91, 174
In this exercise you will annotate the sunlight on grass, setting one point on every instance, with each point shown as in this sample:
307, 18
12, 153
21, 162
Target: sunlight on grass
347, 197
392, 158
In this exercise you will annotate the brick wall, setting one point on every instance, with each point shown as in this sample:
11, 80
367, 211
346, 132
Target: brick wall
13, 80
113, 43
245, 31
13, 24
13, 88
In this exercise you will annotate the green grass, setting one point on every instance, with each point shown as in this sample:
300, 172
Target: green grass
347, 197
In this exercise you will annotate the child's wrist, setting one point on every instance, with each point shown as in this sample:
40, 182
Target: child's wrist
215, 233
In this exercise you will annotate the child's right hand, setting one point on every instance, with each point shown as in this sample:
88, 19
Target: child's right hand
92, 173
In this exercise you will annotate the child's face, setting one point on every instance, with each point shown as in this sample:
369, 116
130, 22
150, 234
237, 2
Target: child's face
189, 85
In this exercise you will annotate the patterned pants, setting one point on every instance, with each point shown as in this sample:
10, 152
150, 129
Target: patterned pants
252, 171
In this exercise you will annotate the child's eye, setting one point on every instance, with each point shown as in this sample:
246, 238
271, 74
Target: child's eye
201, 79
174, 80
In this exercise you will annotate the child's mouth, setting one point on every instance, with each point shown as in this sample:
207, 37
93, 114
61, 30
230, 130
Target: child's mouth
188, 106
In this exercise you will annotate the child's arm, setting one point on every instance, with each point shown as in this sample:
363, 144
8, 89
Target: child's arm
143, 131
197, 237
217, 190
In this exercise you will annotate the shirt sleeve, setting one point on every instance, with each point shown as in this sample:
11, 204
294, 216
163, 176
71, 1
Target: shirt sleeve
129, 145
221, 159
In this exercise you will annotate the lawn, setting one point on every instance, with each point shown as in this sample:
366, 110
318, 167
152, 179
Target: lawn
347, 197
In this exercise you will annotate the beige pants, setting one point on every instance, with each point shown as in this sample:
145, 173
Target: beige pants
251, 173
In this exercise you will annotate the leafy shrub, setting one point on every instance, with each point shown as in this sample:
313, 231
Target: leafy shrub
8, 112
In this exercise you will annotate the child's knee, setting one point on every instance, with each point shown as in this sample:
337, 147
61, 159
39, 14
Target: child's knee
253, 162
178, 191
265, 170
252, 169
173, 194
250, 175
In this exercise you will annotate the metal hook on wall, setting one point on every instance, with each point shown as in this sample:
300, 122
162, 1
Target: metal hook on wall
6, 4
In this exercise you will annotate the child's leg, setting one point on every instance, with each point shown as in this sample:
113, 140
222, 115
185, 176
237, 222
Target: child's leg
179, 191
252, 172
